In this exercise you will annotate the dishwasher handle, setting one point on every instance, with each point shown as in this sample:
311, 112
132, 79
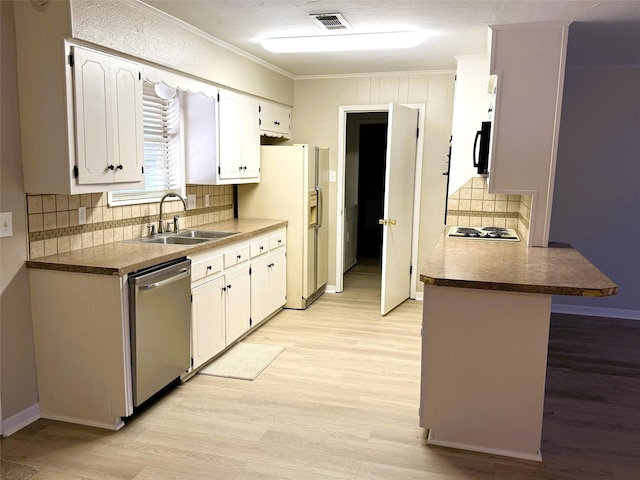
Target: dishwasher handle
180, 274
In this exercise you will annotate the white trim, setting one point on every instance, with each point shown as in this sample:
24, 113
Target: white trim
21, 419
215, 40
596, 311
417, 195
369, 74
343, 110
537, 457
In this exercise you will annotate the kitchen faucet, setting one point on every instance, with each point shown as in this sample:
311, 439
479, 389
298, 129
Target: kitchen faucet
170, 194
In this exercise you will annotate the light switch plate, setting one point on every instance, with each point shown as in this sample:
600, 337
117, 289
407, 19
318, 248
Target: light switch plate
6, 224
332, 176
191, 201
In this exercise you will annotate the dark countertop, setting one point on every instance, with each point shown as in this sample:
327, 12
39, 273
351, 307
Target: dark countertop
557, 269
121, 258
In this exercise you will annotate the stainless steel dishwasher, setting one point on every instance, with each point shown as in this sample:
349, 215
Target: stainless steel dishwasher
160, 317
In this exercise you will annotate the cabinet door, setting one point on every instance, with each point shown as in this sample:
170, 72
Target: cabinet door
238, 303
108, 118
239, 129
127, 119
268, 285
275, 120
207, 321
260, 289
278, 280
92, 102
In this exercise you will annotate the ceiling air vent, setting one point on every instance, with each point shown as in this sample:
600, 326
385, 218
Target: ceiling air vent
331, 21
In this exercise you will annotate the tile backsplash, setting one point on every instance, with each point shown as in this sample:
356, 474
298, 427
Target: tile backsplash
53, 219
472, 205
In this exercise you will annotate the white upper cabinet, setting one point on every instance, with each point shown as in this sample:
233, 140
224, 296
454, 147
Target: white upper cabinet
275, 120
529, 63
239, 131
221, 137
108, 118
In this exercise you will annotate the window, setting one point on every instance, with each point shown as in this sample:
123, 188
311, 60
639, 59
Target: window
163, 166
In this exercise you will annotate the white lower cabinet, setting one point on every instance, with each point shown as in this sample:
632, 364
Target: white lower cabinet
268, 285
207, 321
231, 292
238, 303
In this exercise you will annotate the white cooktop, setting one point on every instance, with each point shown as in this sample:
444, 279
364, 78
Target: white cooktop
484, 233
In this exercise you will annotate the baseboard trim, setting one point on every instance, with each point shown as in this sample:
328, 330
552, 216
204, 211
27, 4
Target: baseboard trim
595, 311
20, 420
534, 457
81, 421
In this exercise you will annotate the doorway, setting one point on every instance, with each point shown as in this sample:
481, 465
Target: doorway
366, 141
401, 121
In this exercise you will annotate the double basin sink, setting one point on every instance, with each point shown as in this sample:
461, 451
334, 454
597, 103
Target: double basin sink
184, 237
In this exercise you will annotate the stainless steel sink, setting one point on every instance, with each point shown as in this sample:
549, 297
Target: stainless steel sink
175, 240
209, 234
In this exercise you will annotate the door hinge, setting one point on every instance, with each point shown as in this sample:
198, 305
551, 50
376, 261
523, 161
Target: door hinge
259, 108
191, 298
410, 269
417, 133
250, 270
139, 75
218, 96
143, 169
71, 63
76, 173
250, 321
218, 170
192, 361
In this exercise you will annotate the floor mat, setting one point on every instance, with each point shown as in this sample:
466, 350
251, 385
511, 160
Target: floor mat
244, 361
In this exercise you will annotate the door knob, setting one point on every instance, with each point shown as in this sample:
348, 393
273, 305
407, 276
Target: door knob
384, 221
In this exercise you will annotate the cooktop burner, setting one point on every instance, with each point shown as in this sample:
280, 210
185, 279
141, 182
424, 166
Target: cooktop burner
484, 233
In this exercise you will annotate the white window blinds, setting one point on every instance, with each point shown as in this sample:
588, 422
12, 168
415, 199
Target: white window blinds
163, 168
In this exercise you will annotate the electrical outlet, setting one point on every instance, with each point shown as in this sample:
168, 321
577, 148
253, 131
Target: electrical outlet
332, 176
82, 215
6, 224
206, 200
191, 201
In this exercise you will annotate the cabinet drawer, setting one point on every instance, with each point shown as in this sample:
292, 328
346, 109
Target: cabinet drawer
203, 265
236, 256
260, 247
277, 240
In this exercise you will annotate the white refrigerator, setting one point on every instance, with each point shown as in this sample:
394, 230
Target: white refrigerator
293, 186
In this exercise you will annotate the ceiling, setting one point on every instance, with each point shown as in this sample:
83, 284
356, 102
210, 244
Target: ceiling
461, 27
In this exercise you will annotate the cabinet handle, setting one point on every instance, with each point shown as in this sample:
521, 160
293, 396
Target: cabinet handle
270, 265
209, 267
239, 257
228, 287
277, 123
261, 247
119, 167
111, 167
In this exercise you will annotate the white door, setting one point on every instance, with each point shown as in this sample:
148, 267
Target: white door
398, 206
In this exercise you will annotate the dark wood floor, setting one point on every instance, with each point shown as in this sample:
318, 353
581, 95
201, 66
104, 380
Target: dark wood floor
341, 403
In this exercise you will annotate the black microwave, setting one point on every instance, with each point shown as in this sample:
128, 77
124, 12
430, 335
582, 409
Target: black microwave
481, 148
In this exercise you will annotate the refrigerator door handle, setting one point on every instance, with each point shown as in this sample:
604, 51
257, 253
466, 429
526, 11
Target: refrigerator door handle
320, 206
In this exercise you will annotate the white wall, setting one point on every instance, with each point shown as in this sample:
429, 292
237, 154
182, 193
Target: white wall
596, 204
315, 121
17, 358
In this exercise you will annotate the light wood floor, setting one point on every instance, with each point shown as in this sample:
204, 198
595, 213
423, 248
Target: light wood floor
341, 402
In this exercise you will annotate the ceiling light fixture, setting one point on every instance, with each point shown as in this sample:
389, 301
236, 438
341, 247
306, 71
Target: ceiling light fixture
342, 43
